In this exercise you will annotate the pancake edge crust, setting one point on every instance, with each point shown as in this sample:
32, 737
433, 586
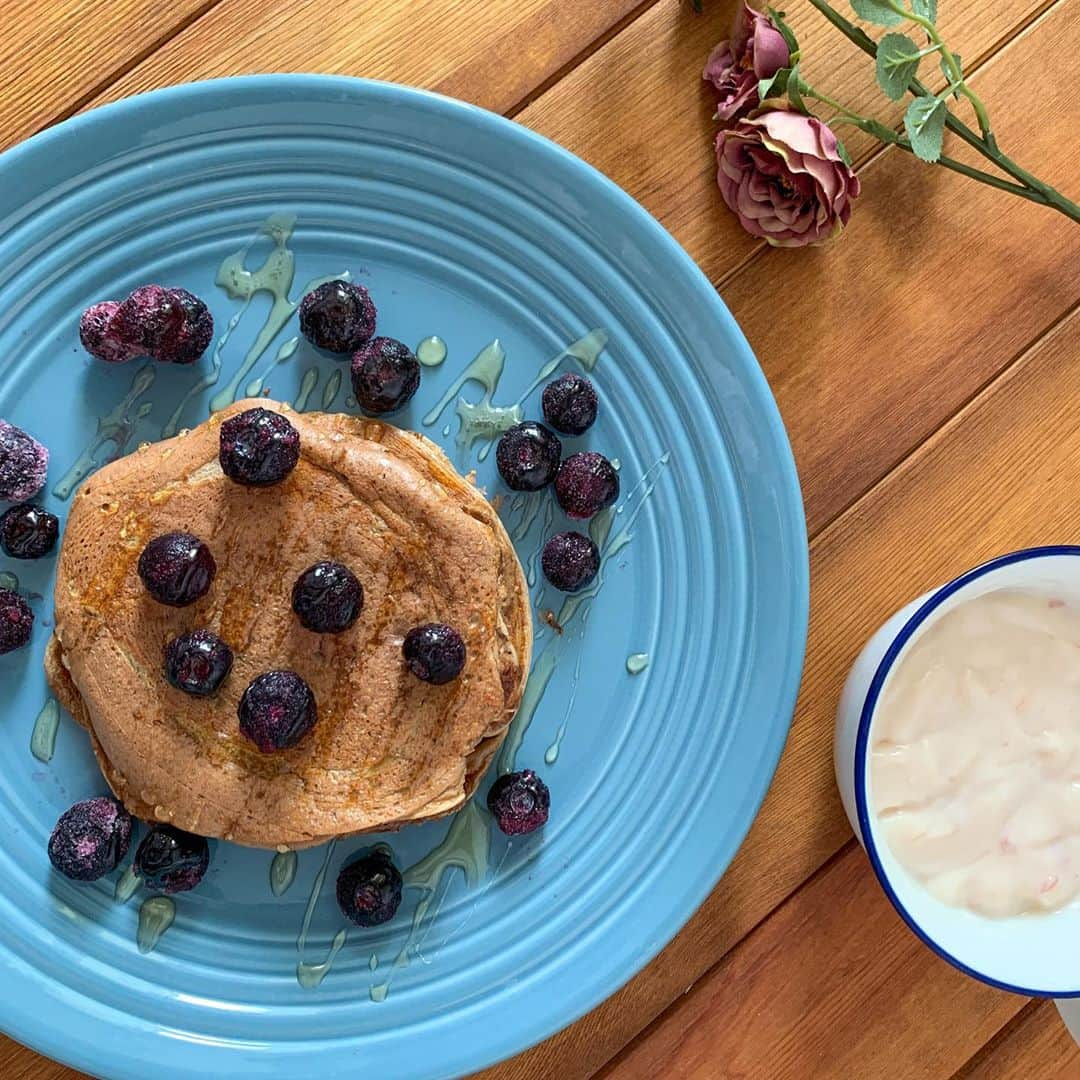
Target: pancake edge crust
515, 623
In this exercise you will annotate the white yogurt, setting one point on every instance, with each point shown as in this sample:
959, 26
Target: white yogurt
975, 755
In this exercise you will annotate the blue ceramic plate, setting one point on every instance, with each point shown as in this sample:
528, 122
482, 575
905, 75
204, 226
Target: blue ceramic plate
471, 228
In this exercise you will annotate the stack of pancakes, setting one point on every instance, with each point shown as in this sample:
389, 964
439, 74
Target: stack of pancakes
388, 749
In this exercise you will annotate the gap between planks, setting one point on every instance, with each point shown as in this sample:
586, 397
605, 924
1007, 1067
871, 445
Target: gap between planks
129, 64
132, 62
579, 58
918, 451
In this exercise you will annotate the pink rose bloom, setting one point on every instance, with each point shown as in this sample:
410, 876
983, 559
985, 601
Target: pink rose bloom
782, 174
757, 50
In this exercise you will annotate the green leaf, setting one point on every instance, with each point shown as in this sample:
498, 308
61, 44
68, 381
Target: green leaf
793, 91
897, 61
924, 123
845, 157
926, 8
877, 12
774, 85
785, 31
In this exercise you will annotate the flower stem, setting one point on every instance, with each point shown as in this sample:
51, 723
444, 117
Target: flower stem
987, 147
887, 135
956, 76
808, 91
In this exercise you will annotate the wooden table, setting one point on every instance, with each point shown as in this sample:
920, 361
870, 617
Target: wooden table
927, 367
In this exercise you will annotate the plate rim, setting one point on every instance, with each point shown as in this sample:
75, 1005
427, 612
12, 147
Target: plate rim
42, 1036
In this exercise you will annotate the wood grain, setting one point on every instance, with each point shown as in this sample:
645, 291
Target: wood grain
639, 111
882, 317
870, 345
56, 54
19, 1063
832, 984
494, 54
939, 284
861, 379
1000, 476
1035, 1045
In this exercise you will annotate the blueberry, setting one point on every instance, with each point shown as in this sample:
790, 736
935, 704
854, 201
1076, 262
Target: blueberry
171, 325
188, 333
24, 463
28, 532
16, 621
170, 860
327, 598
197, 663
434, 653
587, 482
146, 317
369, 888
519, 802
277, 711
258, 448
569, 404
385, 375
528, 456
570, 561
90, 839
102, 337
337, 316
177, 569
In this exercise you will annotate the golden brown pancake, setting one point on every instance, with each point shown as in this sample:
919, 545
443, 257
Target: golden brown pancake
388, 749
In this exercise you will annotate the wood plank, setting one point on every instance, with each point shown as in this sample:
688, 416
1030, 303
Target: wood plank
881, 318
940, 283
845, 362
17, 1062
1036, 1044
639, 112
762, 881
494, 54
831, 984
1000, 476
56, 55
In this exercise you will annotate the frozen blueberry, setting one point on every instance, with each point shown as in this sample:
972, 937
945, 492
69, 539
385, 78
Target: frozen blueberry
337, 316
170, 860
587, 482
327, 598
187, 333
258, 448
101, 337
177, 569
146, 317
170, 324
528, 456
569, 404
570, 561
16, 621
277, 711
519, 802
197, 663
24, 463
90, 838
385, 375
28, 531
434, 653
369, 888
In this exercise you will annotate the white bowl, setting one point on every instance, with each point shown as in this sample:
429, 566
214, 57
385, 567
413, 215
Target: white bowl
1027, 954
